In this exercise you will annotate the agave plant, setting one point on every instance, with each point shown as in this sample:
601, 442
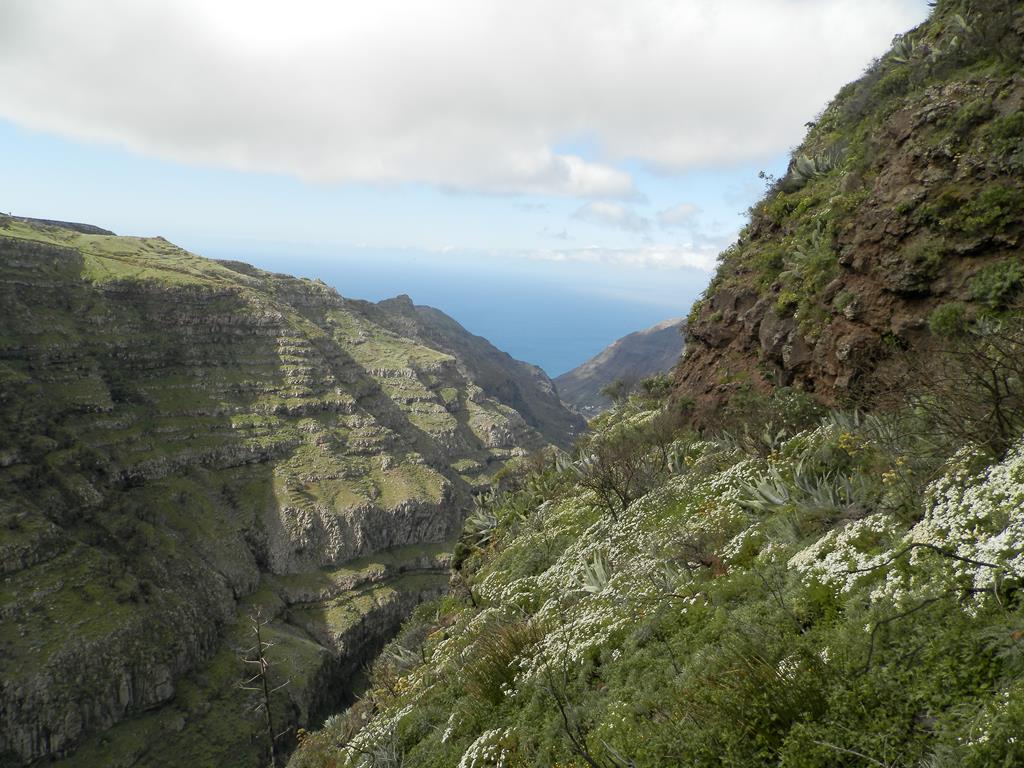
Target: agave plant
961, 32
582, 466
677, 457
768, 494
596, 574
563, 461
961, 28
481, 526
809, 491
813, 166
402, 658
833, 493
770, 439
903, 49
807, 167
845, 421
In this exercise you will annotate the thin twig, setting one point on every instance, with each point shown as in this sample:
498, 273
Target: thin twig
933, 548
853, 752
896, 617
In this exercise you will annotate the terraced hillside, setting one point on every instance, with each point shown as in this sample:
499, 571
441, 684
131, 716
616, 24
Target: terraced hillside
182, 440
517, 384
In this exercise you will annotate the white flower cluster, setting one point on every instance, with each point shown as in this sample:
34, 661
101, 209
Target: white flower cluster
979, 517
376, 736
788, 667
750, 539
971, 534
577, 629
487, 751
450, 726
840, 557
497, 589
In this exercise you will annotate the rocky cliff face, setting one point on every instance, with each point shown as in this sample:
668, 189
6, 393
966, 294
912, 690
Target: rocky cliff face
184, 440
630, 359
520, 386
902, 212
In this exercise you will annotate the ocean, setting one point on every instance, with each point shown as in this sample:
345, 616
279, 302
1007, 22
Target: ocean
552, 314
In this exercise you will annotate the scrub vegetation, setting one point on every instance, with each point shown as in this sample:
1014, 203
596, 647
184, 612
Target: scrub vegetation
805, 588
808, 549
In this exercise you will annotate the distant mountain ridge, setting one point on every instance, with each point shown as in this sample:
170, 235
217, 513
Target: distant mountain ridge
74, 226
633, 357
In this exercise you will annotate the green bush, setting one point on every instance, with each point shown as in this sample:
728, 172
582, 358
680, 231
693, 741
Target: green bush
998, 283
658, 387
948, 319
896, 82
922, 262
1003, 138
1009, 128
992, 211
768, 263
844, 299
971, 114
787, 302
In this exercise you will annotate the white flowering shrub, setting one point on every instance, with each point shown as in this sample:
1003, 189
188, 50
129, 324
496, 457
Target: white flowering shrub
845, 555
848, 607
489, 750
979, 517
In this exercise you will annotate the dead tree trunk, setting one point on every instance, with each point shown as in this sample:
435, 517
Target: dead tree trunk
259, 683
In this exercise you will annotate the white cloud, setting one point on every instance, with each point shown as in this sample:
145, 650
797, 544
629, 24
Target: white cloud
461, 94
648, 256
679, 216
612, 215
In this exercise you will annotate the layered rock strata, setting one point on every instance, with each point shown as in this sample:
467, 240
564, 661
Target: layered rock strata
179, 438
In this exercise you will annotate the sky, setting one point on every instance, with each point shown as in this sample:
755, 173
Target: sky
552, 173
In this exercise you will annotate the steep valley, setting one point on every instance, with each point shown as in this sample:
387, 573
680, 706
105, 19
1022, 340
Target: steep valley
185, 441
801, 548
806, 550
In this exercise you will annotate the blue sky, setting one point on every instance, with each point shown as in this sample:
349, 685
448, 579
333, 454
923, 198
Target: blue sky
474, 256
552, 190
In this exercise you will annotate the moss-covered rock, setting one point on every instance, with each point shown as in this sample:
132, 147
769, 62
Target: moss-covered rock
904, 196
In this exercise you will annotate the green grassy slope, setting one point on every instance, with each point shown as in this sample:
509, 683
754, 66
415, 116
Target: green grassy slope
839, 595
